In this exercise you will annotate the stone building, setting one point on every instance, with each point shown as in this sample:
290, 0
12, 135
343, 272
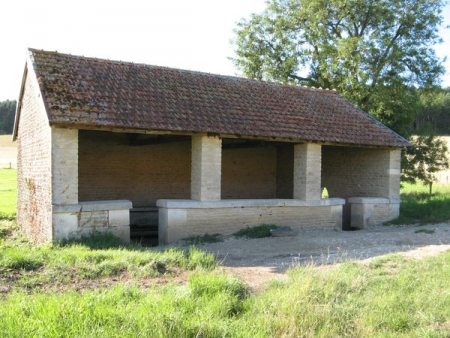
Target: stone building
99, 140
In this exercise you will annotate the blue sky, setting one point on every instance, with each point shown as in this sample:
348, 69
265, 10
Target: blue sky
185, 34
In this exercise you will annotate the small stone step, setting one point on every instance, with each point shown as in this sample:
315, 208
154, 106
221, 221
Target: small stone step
283, 232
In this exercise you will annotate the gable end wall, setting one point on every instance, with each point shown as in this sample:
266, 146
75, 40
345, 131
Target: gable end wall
34, 205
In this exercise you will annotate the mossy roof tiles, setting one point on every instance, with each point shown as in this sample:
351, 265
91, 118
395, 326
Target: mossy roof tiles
82, 91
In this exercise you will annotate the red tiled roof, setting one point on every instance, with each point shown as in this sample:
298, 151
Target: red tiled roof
93, 92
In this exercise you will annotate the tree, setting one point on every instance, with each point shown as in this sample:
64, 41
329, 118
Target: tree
374, 52
434, 114
7, 112
422, 161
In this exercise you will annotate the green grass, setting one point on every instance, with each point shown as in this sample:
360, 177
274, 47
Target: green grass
259, 231
24, 265
203, 239
419, 207
8, 193
99, 287
390, 297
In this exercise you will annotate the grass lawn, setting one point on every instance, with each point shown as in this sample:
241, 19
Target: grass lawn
76, 290
8, 191
419, 207
101, 288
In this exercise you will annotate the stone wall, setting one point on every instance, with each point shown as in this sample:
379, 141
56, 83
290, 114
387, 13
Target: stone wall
363, 173
249, 173
360, 172
368, 211
179, 219
285, 171
34, 176
85, 218
109, 168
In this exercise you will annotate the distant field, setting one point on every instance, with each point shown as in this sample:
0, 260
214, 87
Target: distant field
8, 191
6, 141
8, 152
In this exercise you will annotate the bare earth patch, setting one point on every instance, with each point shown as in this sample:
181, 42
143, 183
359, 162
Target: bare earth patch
258, 260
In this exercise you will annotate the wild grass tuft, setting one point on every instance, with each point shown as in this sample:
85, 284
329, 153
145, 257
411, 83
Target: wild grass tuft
202, 239
29, 265
99, 240
259, 231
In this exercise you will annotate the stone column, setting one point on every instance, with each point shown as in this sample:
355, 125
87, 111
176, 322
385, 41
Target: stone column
64, 166
394, 173
307, 171
64, 182
206, 168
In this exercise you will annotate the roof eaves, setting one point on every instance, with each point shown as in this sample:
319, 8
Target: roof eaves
402, 140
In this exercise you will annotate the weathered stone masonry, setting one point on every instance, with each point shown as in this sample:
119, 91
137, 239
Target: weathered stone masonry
369, 179
34, 167
211, 153
181, 218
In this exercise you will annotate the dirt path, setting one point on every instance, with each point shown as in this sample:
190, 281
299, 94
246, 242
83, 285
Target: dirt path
257, 260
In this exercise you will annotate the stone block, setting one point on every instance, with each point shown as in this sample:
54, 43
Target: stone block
65, 225
119, 217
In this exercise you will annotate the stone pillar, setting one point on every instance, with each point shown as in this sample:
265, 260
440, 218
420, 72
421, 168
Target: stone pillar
394, 173
206, 168
307, 171
64, 166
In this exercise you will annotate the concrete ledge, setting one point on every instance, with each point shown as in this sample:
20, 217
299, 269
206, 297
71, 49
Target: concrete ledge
66, 208
243, 203
92, 206
368, 200
373, 210
106, 205
76, 220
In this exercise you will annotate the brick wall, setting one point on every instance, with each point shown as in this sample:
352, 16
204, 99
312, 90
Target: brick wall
285, 171
34, 205
111, 169
359, 172
249, 173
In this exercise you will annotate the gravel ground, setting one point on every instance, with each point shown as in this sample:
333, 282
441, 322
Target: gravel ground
256, 260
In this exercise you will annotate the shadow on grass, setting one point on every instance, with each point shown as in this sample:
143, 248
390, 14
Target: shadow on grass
99, 240
423, 208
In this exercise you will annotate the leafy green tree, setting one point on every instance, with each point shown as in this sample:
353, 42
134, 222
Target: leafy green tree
374, 52
7, 112
434, 114
422, 161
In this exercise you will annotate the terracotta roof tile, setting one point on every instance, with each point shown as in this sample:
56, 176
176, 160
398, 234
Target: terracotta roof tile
94, 92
